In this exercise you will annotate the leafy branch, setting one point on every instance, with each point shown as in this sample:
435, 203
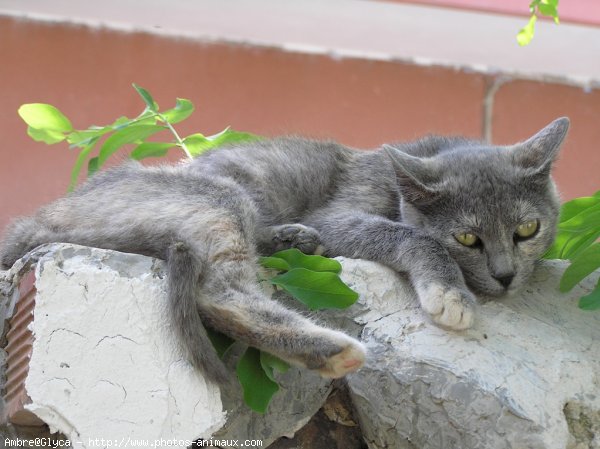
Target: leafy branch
49, 125
313, 280
537, 7
578, 232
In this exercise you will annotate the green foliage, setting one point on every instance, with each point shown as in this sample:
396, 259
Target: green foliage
220, 342
581, 266
578, 232
198, 143
293, 258
313, 280
544, 7
591, 301
47, 124
317, 290
255, 373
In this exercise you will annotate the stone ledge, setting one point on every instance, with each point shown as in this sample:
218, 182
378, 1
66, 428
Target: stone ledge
505, 383
103, 363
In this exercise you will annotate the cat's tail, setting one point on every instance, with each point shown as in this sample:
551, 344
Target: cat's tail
184, 271
22, 235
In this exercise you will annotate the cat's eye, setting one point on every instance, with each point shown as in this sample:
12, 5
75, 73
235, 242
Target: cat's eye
527, 229
467, 239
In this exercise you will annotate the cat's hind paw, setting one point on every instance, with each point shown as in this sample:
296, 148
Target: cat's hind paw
348, 360
296, 235
448, 307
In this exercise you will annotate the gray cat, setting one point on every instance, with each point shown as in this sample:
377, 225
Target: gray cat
454, 214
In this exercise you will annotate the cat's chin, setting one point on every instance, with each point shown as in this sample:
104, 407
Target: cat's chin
487, 294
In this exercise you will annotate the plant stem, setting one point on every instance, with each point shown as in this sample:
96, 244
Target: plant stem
177, 138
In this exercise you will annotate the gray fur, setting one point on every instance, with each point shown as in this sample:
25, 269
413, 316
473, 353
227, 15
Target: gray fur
401, 206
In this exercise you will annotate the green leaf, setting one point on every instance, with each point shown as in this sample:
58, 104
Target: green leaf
119, 123
93, 166
318, 290
297, 259
533, 5
582, 266
571, 208
124, 136
579, 241
150, 103
579, 227
589, 218
270, 363
198, 143
48, 136
258, 387
526, 34
82, 138
42, 116
150, 120
591, 301
81, 158
221, 342
229, 136
274, 263
182, 110
150, 149
548, 10
569, 244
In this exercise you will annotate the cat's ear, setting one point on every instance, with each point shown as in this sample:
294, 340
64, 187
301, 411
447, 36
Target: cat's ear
537, 153
417, 178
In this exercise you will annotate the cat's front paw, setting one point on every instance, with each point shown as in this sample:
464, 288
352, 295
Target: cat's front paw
296, 235
448, 306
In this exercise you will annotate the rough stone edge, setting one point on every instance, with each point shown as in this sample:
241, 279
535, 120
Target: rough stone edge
9, 296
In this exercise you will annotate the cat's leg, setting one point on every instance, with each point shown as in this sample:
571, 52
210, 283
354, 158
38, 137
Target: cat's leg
231, 302
436, 277
249, 316
291, 235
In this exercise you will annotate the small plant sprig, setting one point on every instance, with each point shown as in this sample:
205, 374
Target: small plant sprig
313, 280
47, 124
577, 241
537, 7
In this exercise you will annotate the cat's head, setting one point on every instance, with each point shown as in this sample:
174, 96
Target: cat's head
494, 208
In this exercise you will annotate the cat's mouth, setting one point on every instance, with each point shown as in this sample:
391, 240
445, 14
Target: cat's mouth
491, 287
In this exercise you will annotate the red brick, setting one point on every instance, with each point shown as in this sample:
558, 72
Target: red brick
523, 107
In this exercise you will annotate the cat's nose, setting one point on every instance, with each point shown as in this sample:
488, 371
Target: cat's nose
505, 279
